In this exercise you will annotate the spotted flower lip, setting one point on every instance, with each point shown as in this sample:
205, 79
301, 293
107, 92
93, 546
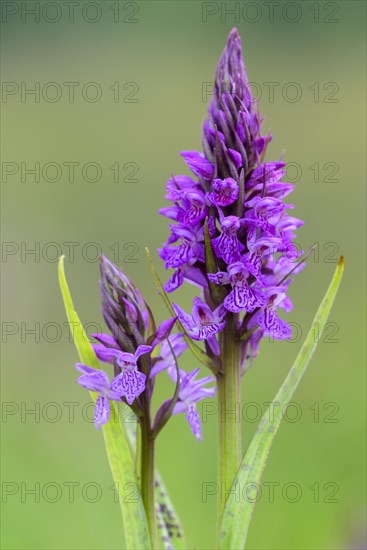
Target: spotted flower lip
130, 383
242, 296
97, 381
191, 391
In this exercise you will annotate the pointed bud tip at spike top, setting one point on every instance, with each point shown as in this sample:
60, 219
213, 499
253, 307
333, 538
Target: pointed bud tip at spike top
232, 56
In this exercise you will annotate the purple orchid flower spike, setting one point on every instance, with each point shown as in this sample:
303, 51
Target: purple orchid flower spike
97, 381
241, 198
191, 391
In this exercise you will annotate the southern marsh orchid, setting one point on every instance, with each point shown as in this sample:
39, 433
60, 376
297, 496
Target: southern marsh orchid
231, 236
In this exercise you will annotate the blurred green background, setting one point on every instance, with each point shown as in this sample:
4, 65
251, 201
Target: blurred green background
149, 62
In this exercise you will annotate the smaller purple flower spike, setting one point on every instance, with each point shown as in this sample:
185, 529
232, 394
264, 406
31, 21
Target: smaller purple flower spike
203, 323
130, 382
191, 391
97, 381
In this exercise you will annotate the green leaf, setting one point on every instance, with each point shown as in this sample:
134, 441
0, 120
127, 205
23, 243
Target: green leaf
169, 526
195, 350
118, 451
237, 517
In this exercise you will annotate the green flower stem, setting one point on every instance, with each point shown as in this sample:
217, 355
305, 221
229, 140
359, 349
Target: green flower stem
147, 479
229, 407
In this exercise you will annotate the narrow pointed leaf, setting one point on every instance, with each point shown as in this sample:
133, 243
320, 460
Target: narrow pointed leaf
118, 451
167, 519
196, 351
237, 516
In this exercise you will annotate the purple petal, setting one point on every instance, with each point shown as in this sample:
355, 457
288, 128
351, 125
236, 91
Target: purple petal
195, 276
274, 326
94, 381
219, 313
243, 298
158, 367
198, 164
253, 263
126, 360
164, 330
207, 331
142, 350
236, 157
193, 418
220, 278
105, 339
227, 247
172, 212
201, 312
101, 411
107, 355
180, 407
178, 255
224, 192
174, 282
85, 369
131, 312
129, 384
186, 321
166, 359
